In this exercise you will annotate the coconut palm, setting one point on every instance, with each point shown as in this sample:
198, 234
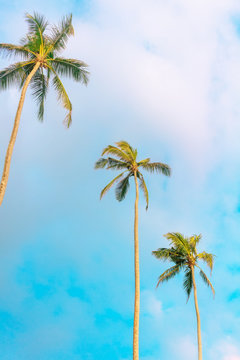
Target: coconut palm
184, 255
124, 157
39, 51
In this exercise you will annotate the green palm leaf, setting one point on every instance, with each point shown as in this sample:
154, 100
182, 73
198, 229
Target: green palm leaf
113, 150
142, 162
63, 97
108, 186
115, 164
157, 167
101, 163
40, 88
188, 282
207, 258
61, 34
125, 147
165, 254
179, 242
14, 74
37, 25
9, 50
169, 274
72, 68
122, 188
144, 189
206, 280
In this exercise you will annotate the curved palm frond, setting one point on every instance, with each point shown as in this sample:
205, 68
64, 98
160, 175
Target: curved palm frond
157, 167
193, 241
122, 188
113, 150
206, 280
126, 147
168, 274
111, 164
143, 186
164, 253
39, 85
72, 68
14, 74
63, 97
37, 25
188, 282
179, 242
109, 185
207, 258
115, 164
101, 163
26, 71
142, 162
61, 34
15, 50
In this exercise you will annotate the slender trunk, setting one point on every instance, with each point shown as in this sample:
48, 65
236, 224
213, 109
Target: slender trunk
198, 316
137, 279
8, 157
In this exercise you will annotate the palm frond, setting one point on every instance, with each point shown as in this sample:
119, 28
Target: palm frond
111, 163
142, 162
206, 280
37, 25
165, 254
39, 85
26, 71
109, 185
63, 97
115, 164
72, 68
9, 50
113, 150
188, 282
126, 147
14, 74
143, 186
157, 167
168, 274
61, 34
101, 163
207, 258
179, 242
122, 188
193, 241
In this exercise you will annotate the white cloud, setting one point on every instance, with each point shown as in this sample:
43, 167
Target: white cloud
150, 305
225, 349
176, 65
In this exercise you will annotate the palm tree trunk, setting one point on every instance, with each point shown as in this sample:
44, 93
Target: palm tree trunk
137, 278
198, 316
8, 157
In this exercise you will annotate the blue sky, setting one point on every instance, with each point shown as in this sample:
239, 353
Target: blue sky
165, 77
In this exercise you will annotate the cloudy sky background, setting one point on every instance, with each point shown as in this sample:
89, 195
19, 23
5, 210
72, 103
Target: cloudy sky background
165, 76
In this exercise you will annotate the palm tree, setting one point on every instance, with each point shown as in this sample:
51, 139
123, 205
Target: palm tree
125, 158
39, 52
183, 254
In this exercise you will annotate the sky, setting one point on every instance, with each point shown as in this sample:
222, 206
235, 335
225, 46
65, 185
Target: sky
164, 76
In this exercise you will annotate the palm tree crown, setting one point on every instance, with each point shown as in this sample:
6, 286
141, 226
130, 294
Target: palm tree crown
39, 47
183, 254
125, 158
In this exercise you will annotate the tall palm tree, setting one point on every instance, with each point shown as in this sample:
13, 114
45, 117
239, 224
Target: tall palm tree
125, 158
184, 255
39, 51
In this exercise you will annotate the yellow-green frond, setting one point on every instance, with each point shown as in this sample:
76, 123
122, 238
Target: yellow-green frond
108, 186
